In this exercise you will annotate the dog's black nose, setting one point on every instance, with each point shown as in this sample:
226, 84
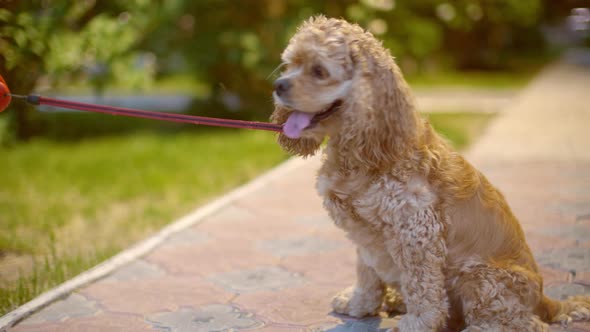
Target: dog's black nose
282, 85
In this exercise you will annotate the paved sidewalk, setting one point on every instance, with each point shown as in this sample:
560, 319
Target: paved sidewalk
464, 99
271, 260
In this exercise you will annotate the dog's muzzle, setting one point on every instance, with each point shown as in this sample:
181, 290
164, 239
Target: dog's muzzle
282, 86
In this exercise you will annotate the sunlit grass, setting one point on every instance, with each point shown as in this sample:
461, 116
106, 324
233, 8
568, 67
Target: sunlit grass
460, 128
68, 205
524, 68
188, 84
176, 84
474, 79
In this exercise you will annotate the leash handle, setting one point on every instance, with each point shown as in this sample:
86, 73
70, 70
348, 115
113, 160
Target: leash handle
136, 113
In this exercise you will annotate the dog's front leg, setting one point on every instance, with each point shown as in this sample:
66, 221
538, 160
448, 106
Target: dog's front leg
417, 244
365, 297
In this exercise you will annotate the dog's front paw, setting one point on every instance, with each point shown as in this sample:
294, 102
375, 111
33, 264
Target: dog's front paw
426, 322
356, 302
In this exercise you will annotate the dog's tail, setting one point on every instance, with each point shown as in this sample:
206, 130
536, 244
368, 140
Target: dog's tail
574, 308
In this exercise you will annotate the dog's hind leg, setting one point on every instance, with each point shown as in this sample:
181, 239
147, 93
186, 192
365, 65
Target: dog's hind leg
495, 299
519, 321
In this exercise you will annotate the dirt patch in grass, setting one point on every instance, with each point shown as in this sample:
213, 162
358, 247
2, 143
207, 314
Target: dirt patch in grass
13, 265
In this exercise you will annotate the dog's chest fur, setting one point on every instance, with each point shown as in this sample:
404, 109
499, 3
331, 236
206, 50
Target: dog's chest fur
370, 208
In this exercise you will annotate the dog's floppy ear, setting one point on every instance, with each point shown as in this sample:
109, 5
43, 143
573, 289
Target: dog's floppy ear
304, 147
382, 120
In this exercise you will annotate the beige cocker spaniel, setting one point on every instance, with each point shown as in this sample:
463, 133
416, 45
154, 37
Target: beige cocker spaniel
427, 225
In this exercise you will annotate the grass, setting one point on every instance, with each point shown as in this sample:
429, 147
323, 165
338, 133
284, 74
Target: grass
460, 128
187, 84
69, 204
494, 80
524, 68
475, 79
174, 84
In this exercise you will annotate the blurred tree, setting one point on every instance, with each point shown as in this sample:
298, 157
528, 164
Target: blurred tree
235, 46
555, 11
467, 34
63, 41
484, 34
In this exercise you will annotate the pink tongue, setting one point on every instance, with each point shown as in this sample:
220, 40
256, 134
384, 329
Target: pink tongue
296, 122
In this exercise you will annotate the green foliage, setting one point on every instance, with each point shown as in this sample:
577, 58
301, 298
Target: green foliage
460, 128
56, 42
233, 47
68, 39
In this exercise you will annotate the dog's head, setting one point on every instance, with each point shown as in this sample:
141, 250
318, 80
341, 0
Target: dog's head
337, 81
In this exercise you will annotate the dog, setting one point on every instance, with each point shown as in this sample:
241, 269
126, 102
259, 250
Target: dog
435, 240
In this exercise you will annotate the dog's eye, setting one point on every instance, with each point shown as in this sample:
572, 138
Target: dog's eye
319, 72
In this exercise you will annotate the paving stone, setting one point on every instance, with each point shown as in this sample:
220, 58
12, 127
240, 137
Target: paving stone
577, 208
563, 291
187, 237
298, 246
579, 232
167, 293
138, 269
554, 276
569, 259
336, 268
101, 322
291, 306
230, 212
73, 306
575, 327
539, 243
281, 328
302, 200
372, 324
234, 227
211, 318
220, 255
319, 220
257, 279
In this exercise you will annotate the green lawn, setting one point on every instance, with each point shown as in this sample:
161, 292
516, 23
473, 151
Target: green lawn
187, 84
474, 79
69, 204
523, 70
175, 84
461, 128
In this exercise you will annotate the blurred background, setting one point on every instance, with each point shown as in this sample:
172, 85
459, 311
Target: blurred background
76, 187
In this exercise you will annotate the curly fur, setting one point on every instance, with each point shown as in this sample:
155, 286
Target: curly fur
427, 225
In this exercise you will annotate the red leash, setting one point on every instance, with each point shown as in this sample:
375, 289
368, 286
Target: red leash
173, 117
5, 97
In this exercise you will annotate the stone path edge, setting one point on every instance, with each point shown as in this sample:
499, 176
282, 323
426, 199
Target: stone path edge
144, 247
